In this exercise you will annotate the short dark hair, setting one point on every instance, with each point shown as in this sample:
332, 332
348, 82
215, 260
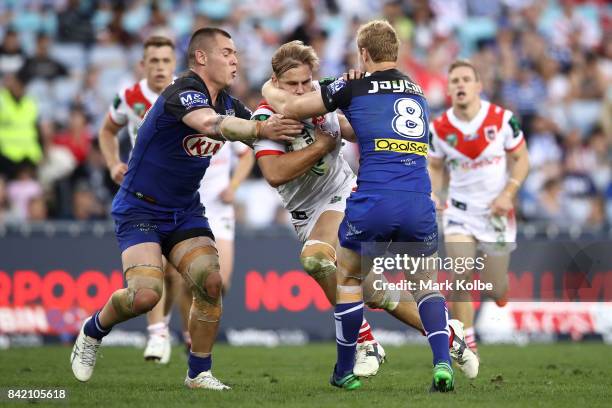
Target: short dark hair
199, 36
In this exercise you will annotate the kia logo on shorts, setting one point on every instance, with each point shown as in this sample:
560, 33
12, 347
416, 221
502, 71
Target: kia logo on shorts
201, 146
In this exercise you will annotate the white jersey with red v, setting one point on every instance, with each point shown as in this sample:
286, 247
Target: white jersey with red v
475, 152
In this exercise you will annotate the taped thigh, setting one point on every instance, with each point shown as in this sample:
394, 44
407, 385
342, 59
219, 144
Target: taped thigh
196, 266
134, 299
318, 259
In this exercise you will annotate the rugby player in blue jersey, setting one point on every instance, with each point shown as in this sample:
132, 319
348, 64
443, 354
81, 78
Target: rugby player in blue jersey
392, 203
158, 212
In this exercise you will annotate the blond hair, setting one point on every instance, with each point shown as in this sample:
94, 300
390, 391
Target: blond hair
463, 63
380, 39
292, 55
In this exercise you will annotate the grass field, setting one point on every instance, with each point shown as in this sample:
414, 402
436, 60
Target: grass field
559, 375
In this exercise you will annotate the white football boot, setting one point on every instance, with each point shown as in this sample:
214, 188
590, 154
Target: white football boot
83, 356
205, 380
370, 355
158, 349
465, 358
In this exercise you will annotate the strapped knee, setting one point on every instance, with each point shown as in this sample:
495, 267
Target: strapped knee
318, 259
200, 268
144, 289
203, 310
377, 295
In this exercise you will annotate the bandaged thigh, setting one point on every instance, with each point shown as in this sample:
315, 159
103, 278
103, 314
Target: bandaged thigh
318, 259
200, 269
143, 291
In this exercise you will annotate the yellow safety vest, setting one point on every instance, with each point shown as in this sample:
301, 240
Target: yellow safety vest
18, 134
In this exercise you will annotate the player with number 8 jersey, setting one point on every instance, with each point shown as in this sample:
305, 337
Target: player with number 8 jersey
392, 204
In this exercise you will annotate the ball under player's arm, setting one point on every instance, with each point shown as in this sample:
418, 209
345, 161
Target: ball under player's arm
294, 106
109, 145
280, 168
233, 129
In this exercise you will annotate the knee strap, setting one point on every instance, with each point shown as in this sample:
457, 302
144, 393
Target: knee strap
380, 298
195, 267
204, 311
318, 259
139, 277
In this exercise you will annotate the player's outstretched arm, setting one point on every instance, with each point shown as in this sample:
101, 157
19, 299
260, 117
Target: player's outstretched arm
233, 129
109, 145
281, 169
294, 106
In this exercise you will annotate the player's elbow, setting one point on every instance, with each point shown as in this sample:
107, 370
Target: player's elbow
276, 180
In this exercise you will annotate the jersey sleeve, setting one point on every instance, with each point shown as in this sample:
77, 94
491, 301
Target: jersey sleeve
265, 147
241, 109
187, 98
512, 132
336, 94
117, 112
435, 147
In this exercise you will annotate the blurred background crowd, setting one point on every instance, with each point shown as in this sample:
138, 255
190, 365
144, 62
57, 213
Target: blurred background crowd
62, 61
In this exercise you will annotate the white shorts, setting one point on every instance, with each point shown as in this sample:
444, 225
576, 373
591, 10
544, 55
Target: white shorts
495, 234
221, 220
304, 221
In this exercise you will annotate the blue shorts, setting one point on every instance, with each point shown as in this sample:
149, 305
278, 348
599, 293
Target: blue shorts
136, 224
385, 220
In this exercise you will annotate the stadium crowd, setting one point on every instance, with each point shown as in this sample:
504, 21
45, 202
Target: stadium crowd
62, 61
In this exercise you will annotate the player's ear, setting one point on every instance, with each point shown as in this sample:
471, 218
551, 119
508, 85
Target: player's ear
365, 55
201, 57
274, 80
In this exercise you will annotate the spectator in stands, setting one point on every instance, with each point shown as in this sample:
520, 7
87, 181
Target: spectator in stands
37, 209
94, 173
22, 189
41, 65
12, 56
4, 203
18, 126
77, 137
74, 23
85, 205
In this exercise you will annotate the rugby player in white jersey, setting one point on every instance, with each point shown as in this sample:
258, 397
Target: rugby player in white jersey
127, 110
483, 148
314, 181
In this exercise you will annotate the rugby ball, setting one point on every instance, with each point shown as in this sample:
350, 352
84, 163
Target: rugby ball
308, 137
